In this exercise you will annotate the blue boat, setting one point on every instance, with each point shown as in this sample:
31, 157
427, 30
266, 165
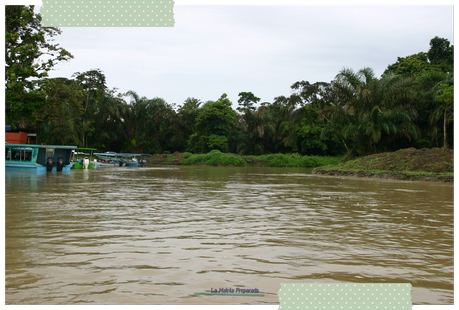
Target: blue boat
38, 157
121, 159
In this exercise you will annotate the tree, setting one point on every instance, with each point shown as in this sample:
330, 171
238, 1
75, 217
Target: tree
313, 96
256, 129
320, 104
284, 118
108, 125
29, 56
427, 90
188, 113
308, 132
213, 125
374, 112
246, 101
440, 57
445, 108
93, 83
410, 66
164, 128
253, 124
441, 54
62, 110
135, 119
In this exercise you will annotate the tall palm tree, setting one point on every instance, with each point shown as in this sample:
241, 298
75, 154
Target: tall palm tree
284, 117
188, 113
427, 88
109, 131
445, 106
134, 119
256, 127
371, 110
165, 129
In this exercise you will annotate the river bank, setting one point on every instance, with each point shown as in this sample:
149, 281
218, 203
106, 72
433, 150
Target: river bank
434, 165
217, 158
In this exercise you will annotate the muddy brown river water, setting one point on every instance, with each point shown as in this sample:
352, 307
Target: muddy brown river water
158, 235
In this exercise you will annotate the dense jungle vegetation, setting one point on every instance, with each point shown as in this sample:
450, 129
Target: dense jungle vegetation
355, 114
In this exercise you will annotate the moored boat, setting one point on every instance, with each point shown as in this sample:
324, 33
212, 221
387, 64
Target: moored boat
81, 159
38, 157
121, 159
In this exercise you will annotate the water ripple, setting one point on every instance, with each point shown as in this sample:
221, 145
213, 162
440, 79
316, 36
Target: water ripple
157, 235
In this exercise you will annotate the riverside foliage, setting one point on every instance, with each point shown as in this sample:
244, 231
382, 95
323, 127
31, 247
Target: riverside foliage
217, 158
356, 114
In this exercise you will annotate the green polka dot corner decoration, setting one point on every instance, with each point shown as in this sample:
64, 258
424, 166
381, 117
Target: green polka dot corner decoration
107, 13
345, 296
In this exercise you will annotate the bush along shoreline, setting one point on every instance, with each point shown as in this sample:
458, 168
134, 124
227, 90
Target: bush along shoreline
435, 165
217, 158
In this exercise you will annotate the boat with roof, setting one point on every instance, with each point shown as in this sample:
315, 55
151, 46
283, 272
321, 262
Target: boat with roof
82, 158
121, 159
38, 157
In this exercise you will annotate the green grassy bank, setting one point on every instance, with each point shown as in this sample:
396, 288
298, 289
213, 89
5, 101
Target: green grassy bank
217, 158
406, 164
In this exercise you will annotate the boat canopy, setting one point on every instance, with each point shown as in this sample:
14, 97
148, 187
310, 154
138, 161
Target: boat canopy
81, 151
85, 149
114, 154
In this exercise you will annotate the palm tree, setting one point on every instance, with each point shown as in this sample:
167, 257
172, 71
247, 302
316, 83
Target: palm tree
134, 119
371, 111
109, 123
163, 128
284, 118
445, 107
256, 126
187, 114
427, 88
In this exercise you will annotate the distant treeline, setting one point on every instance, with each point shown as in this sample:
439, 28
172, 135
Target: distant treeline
357, 113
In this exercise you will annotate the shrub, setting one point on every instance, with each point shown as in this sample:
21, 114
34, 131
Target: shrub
282, 160
214, 158
186, 155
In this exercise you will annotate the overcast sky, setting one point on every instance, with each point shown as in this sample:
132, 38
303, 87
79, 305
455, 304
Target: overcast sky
213, 50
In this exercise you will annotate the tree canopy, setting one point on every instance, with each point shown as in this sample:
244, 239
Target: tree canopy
357, 113
29, 56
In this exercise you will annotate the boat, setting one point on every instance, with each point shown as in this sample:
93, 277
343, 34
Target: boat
38, 157
81, 159
121, 159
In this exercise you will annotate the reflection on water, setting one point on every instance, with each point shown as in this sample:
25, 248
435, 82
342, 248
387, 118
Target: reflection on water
159, 235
